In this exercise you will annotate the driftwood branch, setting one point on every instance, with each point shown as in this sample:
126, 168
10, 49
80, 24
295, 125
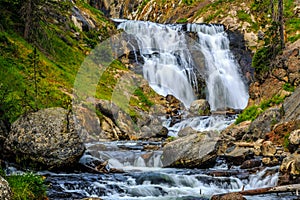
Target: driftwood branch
268, 190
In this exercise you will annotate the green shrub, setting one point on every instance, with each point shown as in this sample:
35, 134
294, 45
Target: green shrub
182, 20
249, 113
252, 112
27, 186
288, 87
242, 15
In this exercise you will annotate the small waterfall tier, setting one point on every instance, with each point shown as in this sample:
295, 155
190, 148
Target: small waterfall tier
169, 65
226, 88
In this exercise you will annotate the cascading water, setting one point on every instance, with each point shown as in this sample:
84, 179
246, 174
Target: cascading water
168, 65
226, 88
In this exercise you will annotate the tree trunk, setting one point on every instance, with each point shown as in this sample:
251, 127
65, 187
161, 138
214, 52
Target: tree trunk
281, 23
268, 190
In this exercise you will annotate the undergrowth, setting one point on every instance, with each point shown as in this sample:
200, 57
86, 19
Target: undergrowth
252, 112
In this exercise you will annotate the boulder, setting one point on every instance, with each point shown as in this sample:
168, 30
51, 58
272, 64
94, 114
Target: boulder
192, 151
5, 191
268, 149
200, 107
186, 131
229, 196
290, 170
294, 140
236, 155
237, 131
46, 139
248, 164
270, 161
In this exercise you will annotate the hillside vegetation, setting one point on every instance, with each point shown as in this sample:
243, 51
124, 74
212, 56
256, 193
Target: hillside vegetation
43, 43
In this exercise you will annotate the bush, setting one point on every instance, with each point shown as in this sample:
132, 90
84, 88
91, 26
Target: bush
252, 112
27, 186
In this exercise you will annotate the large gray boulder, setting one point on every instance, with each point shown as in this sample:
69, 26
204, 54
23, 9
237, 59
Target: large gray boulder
193, 151
291, 107
5, 191
45, 139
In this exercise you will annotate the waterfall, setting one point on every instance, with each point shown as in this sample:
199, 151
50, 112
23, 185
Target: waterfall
225, 86
168, 64
169, 67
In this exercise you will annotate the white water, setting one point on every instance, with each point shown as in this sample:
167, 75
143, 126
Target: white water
168, 65
226, 88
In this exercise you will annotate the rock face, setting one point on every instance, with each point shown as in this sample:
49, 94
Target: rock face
263, 124
5, 191
291, 106
45, 139
193, 151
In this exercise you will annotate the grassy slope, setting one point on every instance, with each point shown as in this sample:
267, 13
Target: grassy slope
59, 58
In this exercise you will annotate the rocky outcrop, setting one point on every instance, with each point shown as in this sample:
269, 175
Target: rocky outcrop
263, 124
294, 141
290, 170
45, 139
291, 106
192, 151
5, 191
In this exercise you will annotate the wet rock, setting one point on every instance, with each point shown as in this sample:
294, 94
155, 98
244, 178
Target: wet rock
230, 196
200, 107
155, 178
290, 170
45, 139
5, 191
237, 155
250, 164
263, 124
268, 149
270, 161
192, 151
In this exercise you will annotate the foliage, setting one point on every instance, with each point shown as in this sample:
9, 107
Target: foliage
288, 87
242, 15
38, 72
252, 112
286, 141
292, 21
261, 60
182, 20
27, 186
142, 97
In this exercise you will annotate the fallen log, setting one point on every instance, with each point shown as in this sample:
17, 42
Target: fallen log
267, 190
